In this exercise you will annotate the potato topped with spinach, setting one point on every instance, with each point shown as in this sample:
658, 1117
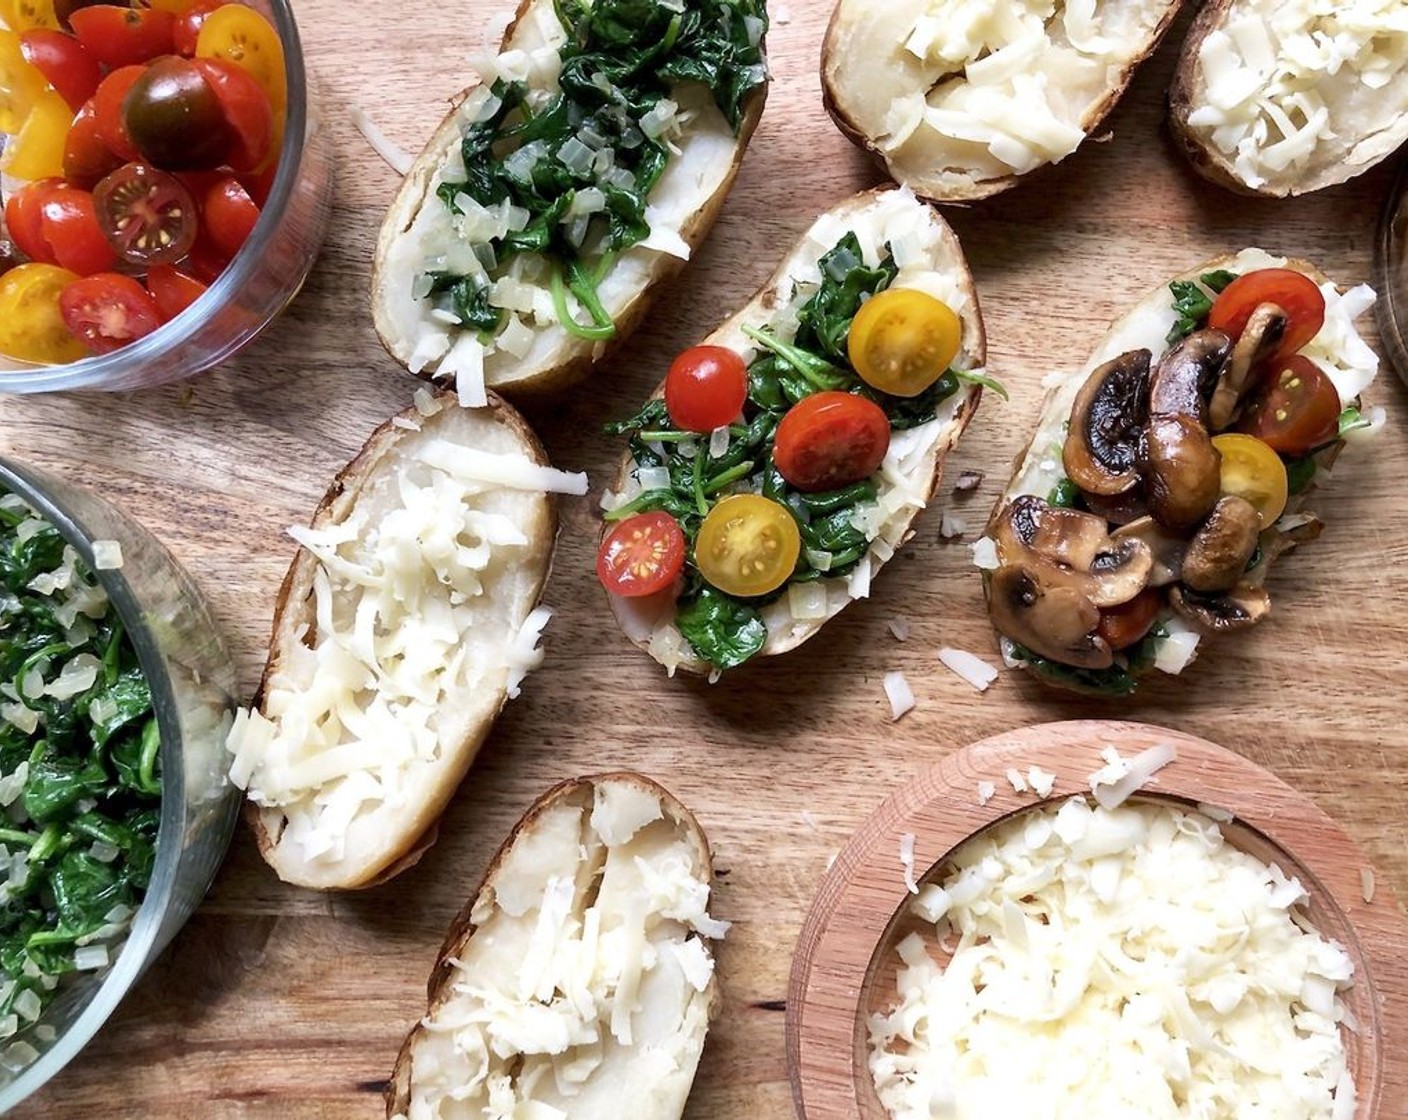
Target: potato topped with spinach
80, 781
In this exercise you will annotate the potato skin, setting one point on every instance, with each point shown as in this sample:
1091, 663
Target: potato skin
398, 1090
573, 361
293, 609
757, 310
835, 45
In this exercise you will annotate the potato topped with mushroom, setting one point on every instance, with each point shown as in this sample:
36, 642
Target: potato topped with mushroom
1167, 475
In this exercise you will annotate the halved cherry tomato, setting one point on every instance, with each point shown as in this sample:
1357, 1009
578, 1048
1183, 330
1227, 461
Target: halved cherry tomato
1251, 470
705, 388
642, 555
107, 311
748, 545
64, 9
1293, 292
829, 440
189, 22
86, 157
174, 118
903, 340
241, 35
175, 7
173, 291
21, 15
205, 262
24, 218
64, 62
119, 37
107, 104
246, 108
1295, 409
70, 226
38, 151
146, 215
31, 325
229, 215
1125, 624
21, 85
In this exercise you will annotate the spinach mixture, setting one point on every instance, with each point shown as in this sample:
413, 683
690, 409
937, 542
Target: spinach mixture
80, 782
620, 62
722, 629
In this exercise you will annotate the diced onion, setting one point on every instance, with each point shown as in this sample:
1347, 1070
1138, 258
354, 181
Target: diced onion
900, 695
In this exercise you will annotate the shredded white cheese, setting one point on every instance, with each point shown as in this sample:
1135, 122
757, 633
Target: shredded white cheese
1041, 781
1366, 883
986, 791
969, 666
1120, 778
1113, 963
396, 157
900, 695
907, 862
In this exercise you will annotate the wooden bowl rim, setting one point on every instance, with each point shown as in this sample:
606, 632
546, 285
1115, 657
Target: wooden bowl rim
862, 896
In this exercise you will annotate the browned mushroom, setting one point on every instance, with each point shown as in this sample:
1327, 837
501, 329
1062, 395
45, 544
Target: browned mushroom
1219, 551
1069, 548
1259, 338
1238, 609
1183, 476
1276, 540
1104, 438
1186, 374
1119, 509
1055, 622
1166, 549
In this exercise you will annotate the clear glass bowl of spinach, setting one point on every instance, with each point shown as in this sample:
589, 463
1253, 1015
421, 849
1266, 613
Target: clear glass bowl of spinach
128, 804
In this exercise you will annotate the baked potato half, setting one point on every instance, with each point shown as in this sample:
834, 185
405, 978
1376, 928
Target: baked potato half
529, 236
1282, 97
408, 617
958, 99
578, 981
794, 338
1167, 475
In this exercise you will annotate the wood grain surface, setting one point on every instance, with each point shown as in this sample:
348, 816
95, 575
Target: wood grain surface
275, 1002
845, 966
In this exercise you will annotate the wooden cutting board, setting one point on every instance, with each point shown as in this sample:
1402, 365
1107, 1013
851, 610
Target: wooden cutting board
276, 1002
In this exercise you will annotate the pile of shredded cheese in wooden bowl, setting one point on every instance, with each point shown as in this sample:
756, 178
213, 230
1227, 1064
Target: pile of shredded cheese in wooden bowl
1114, 962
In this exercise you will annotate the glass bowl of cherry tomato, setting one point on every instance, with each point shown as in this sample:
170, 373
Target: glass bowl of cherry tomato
166, 186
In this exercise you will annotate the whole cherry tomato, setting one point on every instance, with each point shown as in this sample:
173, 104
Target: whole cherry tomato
705, 388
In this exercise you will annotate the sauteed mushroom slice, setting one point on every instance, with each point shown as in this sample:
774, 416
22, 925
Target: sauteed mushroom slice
1219, 551
1186, 374
1118, 509
1183, 475
1166, 549
1055, 622
1032, 525
1259, 339
1105, 436
1238, 609
1119, 572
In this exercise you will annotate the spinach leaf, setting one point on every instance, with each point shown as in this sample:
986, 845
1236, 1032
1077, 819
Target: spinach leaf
1191, 301
467, 298
723, 630
846, 280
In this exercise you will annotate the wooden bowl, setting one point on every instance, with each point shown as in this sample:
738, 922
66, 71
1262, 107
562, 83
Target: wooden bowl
844, 967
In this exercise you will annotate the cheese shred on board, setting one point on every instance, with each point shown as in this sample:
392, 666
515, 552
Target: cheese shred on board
1112, 963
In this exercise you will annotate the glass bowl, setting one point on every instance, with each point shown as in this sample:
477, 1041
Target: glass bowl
258, 284
192, 682
1391, 274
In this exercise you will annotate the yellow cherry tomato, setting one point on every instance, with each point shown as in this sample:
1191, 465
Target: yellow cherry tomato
242, 36
1251, 470
23, 15
31, 325
903, 340
21, 85
748, 545
38, 151
175, 7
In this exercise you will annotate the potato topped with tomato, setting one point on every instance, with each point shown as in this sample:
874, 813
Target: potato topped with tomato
785, 459
1167, 475
142, 142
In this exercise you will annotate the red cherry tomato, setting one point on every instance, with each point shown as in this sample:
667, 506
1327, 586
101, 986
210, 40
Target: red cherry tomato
1293, 292
642, 555
173, 291
1295, 409
107, 311
189, 23
829, 440
1125, 624
123, 36
146, 215
205, 262
705, 388
107, 105
229, 215
246, 108
86, 157
24, 218
64, 62
70, 226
